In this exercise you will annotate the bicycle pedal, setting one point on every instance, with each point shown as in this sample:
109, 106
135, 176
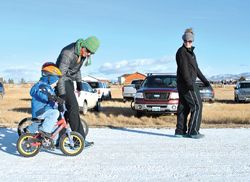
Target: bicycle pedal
52, 149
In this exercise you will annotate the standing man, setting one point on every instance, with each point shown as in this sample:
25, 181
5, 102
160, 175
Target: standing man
189, 96
70, 61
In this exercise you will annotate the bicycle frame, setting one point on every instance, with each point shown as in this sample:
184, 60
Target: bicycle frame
61, 124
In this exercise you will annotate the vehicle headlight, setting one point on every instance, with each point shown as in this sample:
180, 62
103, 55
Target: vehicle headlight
174, 95
139, 95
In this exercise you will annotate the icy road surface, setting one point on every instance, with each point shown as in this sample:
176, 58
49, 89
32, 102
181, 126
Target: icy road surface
125, 154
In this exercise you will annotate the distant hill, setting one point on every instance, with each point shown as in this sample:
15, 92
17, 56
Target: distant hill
229, 76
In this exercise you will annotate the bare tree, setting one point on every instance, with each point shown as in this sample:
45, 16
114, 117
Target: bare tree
22, 81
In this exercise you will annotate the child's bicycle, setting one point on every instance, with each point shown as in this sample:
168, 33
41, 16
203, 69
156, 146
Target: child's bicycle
22, 125
71, 143
25, 122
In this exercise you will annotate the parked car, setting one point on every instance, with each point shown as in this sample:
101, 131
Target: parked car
88, 99
242, 91
206, 93
158, 94
102, 89
129, 91
2, 91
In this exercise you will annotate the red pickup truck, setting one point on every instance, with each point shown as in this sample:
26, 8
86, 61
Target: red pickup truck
157, 95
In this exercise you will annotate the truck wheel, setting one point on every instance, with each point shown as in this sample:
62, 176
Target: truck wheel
139, 114
236, 99
211, 101
109, 97
98, 106
132, 104
85, 108
102, 97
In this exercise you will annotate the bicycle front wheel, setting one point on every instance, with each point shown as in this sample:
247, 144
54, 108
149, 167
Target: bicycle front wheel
78, 144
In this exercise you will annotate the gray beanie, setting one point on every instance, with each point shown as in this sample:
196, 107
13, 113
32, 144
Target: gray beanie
188, 36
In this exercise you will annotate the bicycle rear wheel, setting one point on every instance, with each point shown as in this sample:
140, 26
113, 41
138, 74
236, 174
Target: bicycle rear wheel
22, 125
27, 146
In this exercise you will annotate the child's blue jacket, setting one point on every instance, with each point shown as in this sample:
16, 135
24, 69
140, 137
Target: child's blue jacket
40, 101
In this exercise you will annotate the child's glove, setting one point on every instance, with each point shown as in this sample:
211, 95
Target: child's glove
52, 98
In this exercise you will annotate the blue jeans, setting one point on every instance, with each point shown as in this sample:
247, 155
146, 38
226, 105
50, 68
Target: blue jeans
50, 118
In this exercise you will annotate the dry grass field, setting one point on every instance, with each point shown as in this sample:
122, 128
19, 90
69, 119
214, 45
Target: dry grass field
222, 113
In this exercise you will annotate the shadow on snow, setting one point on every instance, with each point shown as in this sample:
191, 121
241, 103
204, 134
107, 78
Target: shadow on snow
141, 131
8, 139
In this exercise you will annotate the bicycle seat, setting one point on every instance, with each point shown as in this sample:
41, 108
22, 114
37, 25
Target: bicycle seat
37, 120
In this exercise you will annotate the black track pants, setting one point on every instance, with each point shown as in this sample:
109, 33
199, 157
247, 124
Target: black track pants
189, 102
72, 114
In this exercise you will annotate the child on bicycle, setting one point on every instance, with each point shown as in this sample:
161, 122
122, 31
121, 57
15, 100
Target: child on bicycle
43, 104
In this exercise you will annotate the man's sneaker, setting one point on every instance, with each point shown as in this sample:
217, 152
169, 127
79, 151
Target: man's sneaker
179, 135
88, 144
197, 136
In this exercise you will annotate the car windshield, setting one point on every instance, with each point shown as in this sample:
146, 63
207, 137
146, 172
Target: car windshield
161, 81
244, 85
86, 87
136, 82
96, 84
93, 84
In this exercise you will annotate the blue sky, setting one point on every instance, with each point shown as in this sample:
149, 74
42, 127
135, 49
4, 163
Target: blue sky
135, 35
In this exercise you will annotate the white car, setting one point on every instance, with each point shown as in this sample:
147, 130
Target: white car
88, 99
101, 88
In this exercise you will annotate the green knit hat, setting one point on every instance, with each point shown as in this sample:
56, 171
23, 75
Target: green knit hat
91, 43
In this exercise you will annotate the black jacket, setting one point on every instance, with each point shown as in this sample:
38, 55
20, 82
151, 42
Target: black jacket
67, 63
187, 69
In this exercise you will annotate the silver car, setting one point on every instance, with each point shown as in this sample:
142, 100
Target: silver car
242, 91
206, 93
